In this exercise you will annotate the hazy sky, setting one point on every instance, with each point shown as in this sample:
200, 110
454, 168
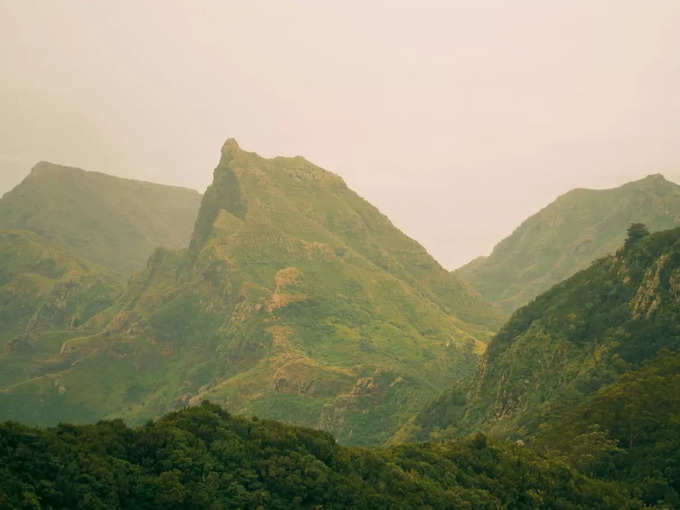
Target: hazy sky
458, 119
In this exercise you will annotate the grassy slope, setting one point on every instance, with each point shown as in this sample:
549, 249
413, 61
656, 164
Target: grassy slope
297, 300
566, 236
46, 295
114, 222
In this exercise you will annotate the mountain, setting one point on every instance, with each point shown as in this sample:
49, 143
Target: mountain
295, 300
45, 295
589, 371
566, 236
111, 221
577, 338
204, 458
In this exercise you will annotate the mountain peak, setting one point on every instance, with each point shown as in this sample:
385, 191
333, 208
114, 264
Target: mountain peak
231, 144
655, 181
42, 167
656, 178
230, 148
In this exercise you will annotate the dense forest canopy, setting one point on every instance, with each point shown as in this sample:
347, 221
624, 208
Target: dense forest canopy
202, 457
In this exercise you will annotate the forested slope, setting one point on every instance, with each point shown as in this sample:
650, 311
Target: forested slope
204, 458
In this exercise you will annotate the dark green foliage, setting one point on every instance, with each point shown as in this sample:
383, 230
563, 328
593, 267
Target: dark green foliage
580, 336
588, 372
584, 333
204, 458
636, 231
438, 420
628, 431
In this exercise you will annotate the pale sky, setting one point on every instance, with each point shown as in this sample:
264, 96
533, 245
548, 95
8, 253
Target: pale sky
458, 119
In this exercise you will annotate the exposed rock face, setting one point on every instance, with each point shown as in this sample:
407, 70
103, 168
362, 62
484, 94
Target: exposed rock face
647, 299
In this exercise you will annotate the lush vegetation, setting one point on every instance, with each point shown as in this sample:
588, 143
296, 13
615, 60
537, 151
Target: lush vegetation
588, 372
571, 341
116, 223
628, 431
202, 457
567, 236
296, 300
46, 295
584, 333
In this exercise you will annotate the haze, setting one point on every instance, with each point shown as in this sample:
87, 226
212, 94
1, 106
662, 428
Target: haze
457, 119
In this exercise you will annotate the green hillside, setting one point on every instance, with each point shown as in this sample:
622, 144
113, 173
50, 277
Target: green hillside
111, 221
566, 236
628, 431
588, 372
296, 300
204, 458
46, 295
571, 341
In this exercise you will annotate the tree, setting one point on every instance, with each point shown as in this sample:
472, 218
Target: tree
636, 231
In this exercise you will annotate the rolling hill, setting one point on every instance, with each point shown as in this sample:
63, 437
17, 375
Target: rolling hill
566, 236
114, 222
